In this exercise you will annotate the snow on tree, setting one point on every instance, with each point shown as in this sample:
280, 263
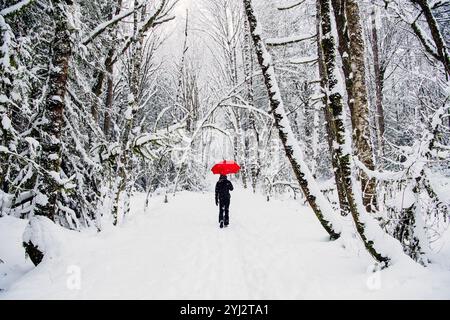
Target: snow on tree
340, 104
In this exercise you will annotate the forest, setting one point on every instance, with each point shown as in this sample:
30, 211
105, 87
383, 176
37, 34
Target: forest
334, 109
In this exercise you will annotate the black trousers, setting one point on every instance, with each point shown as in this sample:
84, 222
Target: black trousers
224, 205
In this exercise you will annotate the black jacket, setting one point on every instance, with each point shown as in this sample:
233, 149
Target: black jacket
223, 188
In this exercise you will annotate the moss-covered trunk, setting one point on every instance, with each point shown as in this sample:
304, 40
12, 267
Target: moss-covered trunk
316, 200
343, 203
352, 50
341, 145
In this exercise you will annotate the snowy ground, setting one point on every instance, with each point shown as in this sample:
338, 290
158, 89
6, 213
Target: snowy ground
272, 250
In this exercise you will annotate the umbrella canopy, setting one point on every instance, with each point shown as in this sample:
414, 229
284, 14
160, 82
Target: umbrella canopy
225, 167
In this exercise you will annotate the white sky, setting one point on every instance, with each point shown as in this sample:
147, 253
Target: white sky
175, 29
181, 7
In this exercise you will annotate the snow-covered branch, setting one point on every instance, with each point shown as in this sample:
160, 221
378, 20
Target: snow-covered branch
274, 42
157, 18
291, 6
320, 205
15, 8
103, 26
304, 60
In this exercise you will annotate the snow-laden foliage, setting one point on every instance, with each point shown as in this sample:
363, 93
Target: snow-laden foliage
68, 79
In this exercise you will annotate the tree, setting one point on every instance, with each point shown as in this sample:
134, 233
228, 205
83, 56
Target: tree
440, 50
341, 143
379, 71
313, 195
50, 160
352, 51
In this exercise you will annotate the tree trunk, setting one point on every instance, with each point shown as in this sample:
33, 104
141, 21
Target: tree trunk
351, 49
109, 66
6, 87
343, 203
311, 190
379, 79
50, 160
97, 91
341, 146
124, 183
251, 144
109, 94
436, 34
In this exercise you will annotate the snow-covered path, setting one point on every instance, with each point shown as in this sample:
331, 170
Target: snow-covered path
271, 250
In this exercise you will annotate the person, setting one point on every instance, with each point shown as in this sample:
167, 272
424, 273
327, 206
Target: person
223, 188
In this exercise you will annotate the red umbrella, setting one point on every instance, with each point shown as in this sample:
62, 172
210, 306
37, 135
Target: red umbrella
225, 167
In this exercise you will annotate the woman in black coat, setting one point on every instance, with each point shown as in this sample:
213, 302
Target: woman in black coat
223, 188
